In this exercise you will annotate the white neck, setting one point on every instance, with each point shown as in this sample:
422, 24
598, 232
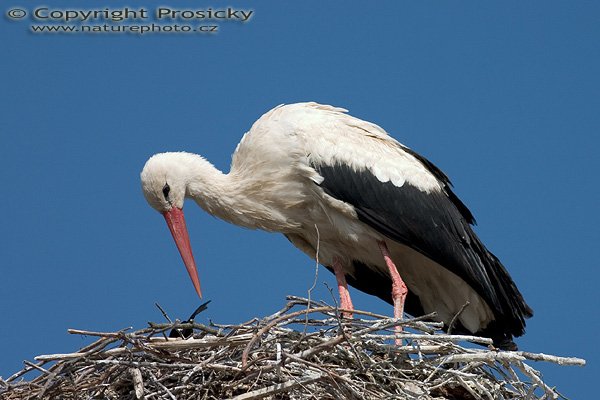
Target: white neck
228, 196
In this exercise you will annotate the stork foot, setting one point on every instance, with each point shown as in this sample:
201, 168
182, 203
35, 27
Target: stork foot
340, 276
399, 289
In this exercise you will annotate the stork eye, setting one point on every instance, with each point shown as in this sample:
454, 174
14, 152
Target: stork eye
166, 190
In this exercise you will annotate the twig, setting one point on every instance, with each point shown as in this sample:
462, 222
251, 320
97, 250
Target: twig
451, 324
316, 273
164, 313
277, 388
272, 324
138, 382
36, 366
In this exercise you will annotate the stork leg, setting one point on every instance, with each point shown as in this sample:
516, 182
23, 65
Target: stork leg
399, 289
340, 276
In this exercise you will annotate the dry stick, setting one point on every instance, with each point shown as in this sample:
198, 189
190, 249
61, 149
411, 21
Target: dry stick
272, 324
23, 372
70, 356
332, 374
438, 337
204, 363
451, 325
163, 387
389, 323
138, 382
316, 274
256, 380
202, 343
308, 303
534, 375
118, 334
277, 388
478, 385
110, 370
433, 349
553, 359
83, 374
289, 305
164, 313
468, 388
345, 335
531, 393
514, 356
297, 300
317, 349
307, 389
32, 365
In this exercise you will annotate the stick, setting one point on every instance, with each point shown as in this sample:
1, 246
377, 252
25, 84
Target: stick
277, 388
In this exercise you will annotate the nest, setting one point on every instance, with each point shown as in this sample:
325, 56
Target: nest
292, 354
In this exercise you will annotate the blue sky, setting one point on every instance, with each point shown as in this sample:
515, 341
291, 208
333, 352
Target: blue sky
503, 96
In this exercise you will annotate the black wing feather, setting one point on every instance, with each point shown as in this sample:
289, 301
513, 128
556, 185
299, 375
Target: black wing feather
436, 224
442, 177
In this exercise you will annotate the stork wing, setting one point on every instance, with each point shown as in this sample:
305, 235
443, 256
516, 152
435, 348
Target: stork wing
432, 221
391, 188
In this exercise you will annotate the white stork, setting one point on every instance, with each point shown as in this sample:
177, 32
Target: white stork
388, 222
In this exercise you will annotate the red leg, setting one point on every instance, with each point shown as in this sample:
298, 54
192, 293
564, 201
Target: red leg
340, 276
399, 289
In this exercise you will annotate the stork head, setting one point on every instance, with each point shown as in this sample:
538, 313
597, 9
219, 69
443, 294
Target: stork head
164, 182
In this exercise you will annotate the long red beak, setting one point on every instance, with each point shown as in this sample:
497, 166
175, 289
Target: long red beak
176, 222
